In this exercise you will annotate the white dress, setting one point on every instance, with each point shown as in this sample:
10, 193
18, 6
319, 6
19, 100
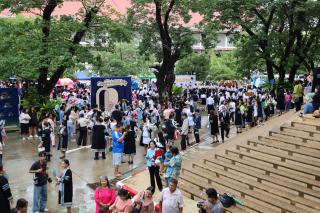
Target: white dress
145, 135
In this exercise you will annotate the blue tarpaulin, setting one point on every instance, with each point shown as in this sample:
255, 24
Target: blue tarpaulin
82, 76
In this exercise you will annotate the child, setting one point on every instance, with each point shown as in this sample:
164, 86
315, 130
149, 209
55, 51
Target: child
46, 139
166, 158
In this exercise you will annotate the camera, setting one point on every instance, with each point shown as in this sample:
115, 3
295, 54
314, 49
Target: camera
200, 204
49, 180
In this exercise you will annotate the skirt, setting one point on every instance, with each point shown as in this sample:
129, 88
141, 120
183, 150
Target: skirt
24, 128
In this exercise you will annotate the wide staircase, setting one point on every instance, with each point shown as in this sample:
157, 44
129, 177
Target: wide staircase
275, 173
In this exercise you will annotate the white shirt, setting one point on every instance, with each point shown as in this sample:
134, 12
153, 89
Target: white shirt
83, 122
171, 202
203, 96
209, 101
24, 118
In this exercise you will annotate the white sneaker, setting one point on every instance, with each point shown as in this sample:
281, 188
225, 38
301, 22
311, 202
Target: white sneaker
36, 136
30, 137
23, 139
45, 210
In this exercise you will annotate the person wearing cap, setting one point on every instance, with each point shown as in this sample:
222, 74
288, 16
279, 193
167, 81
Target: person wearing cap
40, 191
5, 192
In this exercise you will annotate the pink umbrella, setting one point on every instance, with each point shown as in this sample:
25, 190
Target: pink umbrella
65, 82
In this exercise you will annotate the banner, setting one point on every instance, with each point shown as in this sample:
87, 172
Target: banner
185, 80
9, 105
106, 92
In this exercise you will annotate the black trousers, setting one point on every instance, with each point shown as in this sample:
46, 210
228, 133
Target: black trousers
183, 142
298, 104
83, 133
96, 155
154, 173
196, 133
224, 128
232, 116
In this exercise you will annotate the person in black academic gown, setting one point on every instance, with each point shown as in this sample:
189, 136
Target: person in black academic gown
63, 139
65, 186
99, 132
5, 193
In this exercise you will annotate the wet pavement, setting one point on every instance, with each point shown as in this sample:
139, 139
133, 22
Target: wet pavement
19, 156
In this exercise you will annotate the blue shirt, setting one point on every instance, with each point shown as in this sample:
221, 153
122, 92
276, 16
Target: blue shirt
61, 116
140, 113
117, 147
149, 156
167, 155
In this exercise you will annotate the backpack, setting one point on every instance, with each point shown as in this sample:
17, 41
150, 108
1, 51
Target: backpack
226, 200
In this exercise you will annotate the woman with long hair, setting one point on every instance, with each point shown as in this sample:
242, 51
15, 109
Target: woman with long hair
123, 202
104, 195
153, 166
143, 201
65, 186
214, 125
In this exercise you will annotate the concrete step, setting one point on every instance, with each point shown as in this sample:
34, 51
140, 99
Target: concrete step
292, 141
283, 155
300, 131
291, 150
213, 172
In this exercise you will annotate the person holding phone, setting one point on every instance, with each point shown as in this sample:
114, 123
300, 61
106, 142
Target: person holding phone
40, 192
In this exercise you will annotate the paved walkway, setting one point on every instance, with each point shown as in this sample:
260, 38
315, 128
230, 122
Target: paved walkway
19, 156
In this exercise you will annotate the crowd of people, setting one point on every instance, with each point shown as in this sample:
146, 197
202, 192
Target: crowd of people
164, 128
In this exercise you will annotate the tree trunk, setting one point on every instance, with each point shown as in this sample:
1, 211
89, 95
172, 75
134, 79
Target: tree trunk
282, 75
166, 78
269, 70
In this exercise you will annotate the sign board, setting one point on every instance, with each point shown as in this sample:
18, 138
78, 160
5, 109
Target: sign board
106, 92
185, 80
9, 105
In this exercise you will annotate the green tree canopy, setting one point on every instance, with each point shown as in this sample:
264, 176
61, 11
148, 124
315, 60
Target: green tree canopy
198, 64
123, 60
44, 47
224, 67
162, 25
281, 33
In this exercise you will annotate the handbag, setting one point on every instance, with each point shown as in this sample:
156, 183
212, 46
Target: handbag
227, 200
103, 209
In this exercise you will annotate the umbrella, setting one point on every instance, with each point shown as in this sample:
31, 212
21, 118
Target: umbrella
65, 82
249, 93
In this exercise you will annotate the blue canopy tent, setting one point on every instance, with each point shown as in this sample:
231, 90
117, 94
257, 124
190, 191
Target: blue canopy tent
134, 84
82, 76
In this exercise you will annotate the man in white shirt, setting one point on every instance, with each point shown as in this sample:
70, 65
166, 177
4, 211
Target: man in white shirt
83, 130
210, 103
171, 199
